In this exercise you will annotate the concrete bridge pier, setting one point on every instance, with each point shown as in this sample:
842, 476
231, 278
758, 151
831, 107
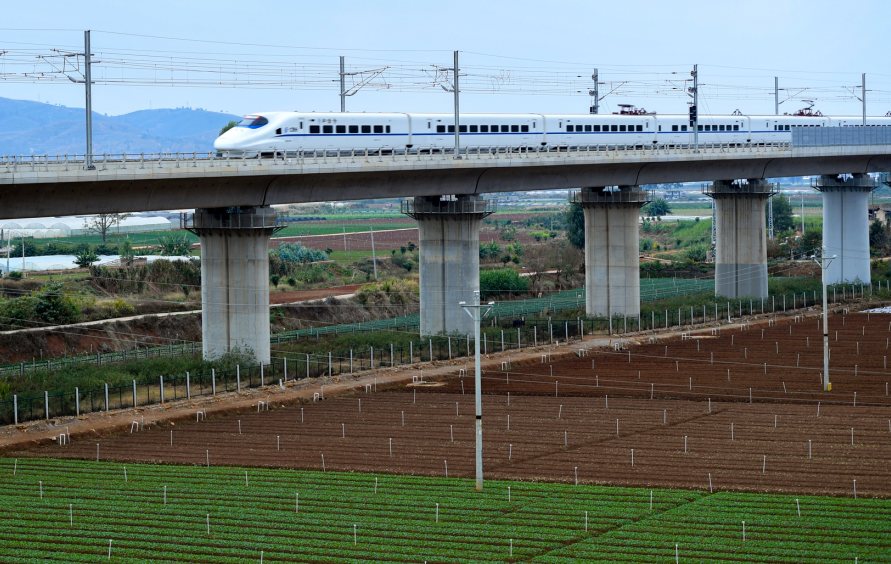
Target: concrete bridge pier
846, 225
741, 236
612, 260
449, 263
235, 278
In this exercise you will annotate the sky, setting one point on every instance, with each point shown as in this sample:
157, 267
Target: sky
518, 56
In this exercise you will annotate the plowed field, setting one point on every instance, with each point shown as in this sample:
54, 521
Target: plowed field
565, 428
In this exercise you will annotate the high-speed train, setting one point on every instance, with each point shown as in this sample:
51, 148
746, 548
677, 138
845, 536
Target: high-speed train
287, 132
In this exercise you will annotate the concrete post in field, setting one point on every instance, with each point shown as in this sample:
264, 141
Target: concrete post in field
188, 387
612, 263
162, 388
235, 278
134, 393
741, 236
106, 398
77, 401
15, 409
46, 405
846, 225
449, 263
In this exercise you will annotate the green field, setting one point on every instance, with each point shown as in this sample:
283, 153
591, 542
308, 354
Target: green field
211, 515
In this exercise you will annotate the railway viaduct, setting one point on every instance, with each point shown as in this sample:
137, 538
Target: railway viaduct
233, 217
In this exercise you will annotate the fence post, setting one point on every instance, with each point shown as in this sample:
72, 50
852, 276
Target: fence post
77, 401
188, 387
518, 338
285, 369
98, 359
134, 393
106, 397
411, 352
237, 377
371, 357
307, 365
213, 380
351, 361
162, 388
329, 364
15, 408
566, 329
450, 348
430, 344
535, 335
22, 369
391, 354
46, 405
261, 375
502, 340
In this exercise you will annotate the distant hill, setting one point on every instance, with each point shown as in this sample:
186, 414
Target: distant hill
28, 127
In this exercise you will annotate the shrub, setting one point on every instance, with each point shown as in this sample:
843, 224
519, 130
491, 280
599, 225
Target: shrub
502, 281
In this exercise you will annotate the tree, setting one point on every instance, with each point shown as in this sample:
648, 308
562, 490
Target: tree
275, 279
575, 222
782, 214
878, 239
567, 259
228, 126
537, 259
101, 224
85, 258
125, 249
176, 244
657, 208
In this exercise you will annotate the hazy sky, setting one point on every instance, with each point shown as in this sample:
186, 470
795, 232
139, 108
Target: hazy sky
739, 46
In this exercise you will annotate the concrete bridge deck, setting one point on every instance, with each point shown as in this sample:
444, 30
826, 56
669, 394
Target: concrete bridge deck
58, 185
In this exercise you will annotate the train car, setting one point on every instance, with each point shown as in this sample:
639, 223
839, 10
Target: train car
387, 133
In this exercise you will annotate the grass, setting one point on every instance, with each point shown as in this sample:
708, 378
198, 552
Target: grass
358, 517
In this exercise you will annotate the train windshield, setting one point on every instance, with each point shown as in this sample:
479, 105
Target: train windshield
253, 122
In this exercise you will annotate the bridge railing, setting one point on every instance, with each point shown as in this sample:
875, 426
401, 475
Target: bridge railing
127, 161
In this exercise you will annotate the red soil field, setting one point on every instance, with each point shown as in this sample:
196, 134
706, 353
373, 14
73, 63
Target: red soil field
556, 430
383, 240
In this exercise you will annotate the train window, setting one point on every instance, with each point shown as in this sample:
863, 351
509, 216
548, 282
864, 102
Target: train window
366, 129
505, 129
524, 128
301, 125
699, 127
595, 127
354, 129
570, 128
640, 128
341, 129
327, 129
253, 122
735, 128
683, 128
278, 131
313, 128
674, 128
709, 128
378, 128
787, 128
622, 128
515, 129
721, 127
440, 129
614, 128
462, 129
484, 129
388, 129
587, 128
474, 128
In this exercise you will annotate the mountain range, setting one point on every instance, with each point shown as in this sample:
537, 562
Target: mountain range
28, 127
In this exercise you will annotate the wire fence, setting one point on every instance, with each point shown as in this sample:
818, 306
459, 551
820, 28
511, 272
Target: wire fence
501, 334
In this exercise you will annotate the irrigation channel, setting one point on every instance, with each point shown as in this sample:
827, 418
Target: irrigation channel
516, 332
563, 420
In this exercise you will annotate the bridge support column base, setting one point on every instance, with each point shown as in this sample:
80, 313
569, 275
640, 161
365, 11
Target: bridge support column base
449, 258
741, 237
612, 260
235, 279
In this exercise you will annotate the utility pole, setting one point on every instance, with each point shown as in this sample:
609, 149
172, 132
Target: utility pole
457, 126
595, 108
825, 265
342, 92
475, 311
88, 158
863, 89
776, 96
802, 218
694, 115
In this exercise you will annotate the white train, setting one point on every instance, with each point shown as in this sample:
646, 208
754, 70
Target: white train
293, 132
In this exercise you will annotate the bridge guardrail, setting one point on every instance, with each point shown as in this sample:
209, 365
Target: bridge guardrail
126, 161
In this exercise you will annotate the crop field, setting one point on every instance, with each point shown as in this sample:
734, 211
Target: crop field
82, 511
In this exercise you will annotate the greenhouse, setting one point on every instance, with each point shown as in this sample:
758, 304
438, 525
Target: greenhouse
51, 227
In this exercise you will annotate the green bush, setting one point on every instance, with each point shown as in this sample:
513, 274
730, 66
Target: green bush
502, 281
